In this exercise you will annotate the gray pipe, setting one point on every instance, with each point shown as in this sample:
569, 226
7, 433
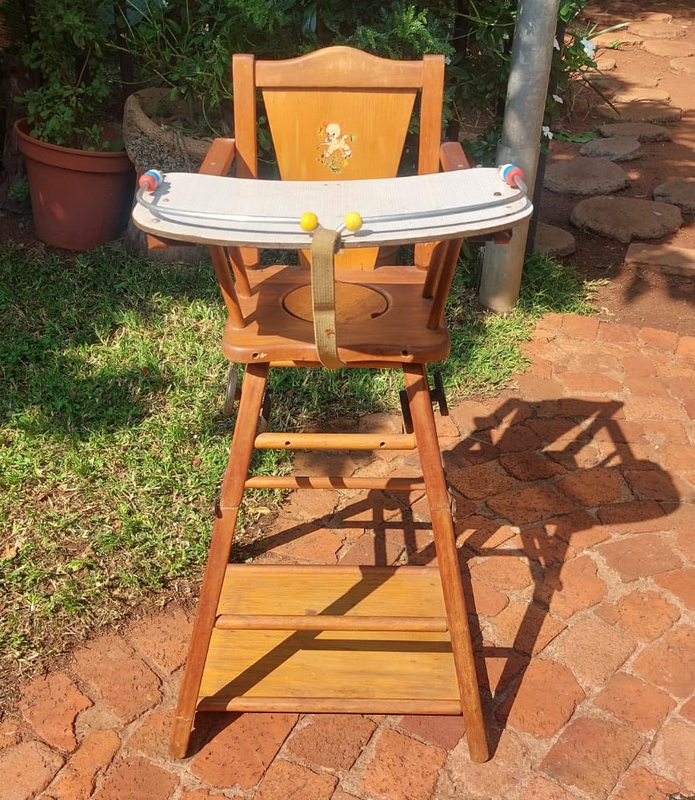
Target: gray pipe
532, 54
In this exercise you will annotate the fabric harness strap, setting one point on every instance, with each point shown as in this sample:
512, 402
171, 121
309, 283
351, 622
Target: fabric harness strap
325, 244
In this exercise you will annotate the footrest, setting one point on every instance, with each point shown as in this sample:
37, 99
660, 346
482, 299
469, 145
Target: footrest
393, 669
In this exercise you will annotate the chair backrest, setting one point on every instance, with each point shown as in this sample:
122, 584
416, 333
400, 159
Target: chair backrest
339, 114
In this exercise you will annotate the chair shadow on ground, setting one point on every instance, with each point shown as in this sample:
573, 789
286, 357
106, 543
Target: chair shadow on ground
565, 466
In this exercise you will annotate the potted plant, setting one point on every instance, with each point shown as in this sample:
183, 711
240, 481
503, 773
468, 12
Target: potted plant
80, 178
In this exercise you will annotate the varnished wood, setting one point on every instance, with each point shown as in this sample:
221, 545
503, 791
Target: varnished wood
338, 705
334, 441
353, 303
325, 622
333, 482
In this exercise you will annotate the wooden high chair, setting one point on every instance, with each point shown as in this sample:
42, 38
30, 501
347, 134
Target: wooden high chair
365, 639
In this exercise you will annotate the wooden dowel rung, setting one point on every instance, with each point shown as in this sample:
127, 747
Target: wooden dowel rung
320, 622
336, 482
334, 441
330, 705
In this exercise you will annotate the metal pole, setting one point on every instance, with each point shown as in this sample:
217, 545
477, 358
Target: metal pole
532, 54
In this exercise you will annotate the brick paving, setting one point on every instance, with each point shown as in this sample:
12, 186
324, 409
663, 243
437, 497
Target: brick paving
575, 523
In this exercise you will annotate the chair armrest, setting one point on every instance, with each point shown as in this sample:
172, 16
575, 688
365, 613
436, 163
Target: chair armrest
218, 161
451, 157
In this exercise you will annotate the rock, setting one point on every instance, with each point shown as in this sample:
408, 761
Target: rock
585, 176
679, 192
657, 30
642, 131
553, 241
640, 94
686, 65
669, 259
617, 39
605, 63
619, 148
669, 48
642, 111
626, 218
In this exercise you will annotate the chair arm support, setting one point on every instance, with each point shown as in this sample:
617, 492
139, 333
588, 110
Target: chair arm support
451, 157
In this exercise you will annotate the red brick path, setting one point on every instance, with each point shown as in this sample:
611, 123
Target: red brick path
576, 526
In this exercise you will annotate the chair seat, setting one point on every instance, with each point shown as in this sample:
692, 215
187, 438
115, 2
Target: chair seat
381, 317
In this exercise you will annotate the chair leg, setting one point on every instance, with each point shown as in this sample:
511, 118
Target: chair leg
417, 389
240, 453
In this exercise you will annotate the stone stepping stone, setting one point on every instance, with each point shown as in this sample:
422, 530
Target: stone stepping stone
679, 192
647, 111
669, 48
657, 30
686, 65
553, 241
642, 131
605, 63
641, 94
665, 257
617, 39
626, 218
585, 176
618, 148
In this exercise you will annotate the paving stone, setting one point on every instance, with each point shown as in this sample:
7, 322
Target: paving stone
197, 794
686, 348
626, 218
480, 481
643, 614
341, 795
151, 737
482, 534
530, 504
682, 583
637, 557
668, 48
639, 366
640, 784
78, 779
688, 710
527, 627
571, 587
542, 789
285, 780
652, 484
686, 65
639, 94
658, 339
678, 192
27, 769
641, 111
657, 30
618, 148
585, 176
135, 779
588, 383
579, 529
124, 682
594, 487
553, 241
50, 705
515, 438
332, 740
530, 466
319, 546
591, 754
539, 545
616, 40
483, 600
594, 650
370, 549
442, 731
531, 387
675, 745
163, 639
504, 572
634, 516
495, 674
471, 415
642, 131
533, 709
308, 506
10, 733
253, 739
635, 702
493, 780
670, 662
395, 757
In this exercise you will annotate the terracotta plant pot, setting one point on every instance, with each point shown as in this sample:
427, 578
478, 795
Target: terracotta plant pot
80, 198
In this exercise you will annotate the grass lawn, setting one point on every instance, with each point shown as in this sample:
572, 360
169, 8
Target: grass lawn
112, 439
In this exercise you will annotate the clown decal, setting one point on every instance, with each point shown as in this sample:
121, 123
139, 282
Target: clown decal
335, 146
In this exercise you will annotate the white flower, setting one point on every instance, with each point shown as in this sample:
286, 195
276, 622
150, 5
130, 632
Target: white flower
589, 47
547, 132
556, 44
447, 61
558, 99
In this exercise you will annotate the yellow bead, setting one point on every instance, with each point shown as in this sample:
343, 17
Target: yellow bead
353, 221
309, 221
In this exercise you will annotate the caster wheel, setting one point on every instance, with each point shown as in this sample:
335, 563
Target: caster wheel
232, 393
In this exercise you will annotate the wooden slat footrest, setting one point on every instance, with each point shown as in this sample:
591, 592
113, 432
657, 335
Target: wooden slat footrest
334, 441
329, 482
342, 666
